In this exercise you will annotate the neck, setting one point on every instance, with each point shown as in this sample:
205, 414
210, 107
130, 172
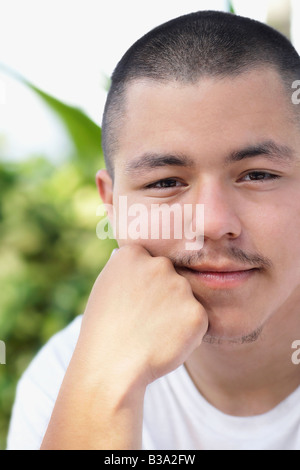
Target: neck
250, 379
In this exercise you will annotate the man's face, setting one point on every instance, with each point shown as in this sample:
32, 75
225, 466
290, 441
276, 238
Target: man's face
236, 148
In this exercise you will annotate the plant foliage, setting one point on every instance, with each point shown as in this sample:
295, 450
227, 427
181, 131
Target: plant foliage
49, 253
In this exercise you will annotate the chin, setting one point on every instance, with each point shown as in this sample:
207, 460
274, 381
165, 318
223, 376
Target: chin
229, 328
246, 338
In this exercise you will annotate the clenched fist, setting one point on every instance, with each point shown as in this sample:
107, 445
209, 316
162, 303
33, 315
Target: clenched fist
142, 316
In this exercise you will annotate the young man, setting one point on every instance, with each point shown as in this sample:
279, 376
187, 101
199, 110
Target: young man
177, 348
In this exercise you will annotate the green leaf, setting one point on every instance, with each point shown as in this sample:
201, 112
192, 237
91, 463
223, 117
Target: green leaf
84, 133
230, 7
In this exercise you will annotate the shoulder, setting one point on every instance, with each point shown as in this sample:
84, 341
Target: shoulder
38, 388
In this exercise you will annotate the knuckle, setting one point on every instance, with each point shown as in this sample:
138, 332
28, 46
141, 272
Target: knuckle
183, 286
185, 283
200, 319
194, 310
132, 250
162, 263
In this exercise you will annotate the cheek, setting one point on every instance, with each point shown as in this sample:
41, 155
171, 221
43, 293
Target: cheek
289, 249
165, 248
277, 234
156, 247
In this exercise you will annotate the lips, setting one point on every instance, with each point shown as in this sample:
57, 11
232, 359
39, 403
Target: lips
222, 277
220, 269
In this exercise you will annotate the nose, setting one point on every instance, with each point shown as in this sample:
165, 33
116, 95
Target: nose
220, 217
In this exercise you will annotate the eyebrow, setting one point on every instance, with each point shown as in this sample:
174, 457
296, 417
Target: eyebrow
269, 149
150, 161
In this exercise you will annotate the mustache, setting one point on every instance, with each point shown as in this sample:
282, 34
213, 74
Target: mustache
229, 254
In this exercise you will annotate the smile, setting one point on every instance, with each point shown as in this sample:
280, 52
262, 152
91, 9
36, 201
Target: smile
222, 280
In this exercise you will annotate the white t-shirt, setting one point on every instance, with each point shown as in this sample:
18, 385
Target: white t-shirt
176, 416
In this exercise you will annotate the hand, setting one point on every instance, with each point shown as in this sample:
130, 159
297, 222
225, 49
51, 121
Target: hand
142, 320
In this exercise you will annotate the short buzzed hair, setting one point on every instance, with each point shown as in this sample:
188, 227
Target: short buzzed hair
191, 47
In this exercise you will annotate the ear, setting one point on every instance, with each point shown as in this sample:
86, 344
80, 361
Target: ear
105, 188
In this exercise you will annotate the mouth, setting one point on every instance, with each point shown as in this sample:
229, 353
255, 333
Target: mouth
221, 279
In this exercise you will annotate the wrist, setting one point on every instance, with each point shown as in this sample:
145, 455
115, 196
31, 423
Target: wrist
99, 411
116, 382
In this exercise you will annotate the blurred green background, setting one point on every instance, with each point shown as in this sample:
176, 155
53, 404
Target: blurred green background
50, 255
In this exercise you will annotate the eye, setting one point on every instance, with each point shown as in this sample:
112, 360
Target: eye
165, 184
260, 176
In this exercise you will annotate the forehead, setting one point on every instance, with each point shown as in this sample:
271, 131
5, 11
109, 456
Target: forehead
207, 119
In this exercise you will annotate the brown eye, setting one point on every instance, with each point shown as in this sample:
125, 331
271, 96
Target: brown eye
164, 184
260, 176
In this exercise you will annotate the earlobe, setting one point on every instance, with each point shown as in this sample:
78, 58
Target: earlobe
105, 186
